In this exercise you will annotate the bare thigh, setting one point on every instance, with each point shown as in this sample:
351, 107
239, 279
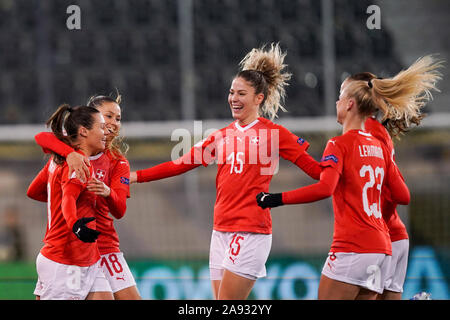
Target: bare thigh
130, 293
215, 284
234, 287
330, 289
390, 295
101, 295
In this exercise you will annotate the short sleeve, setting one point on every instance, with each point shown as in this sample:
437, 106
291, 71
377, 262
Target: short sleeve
333, 156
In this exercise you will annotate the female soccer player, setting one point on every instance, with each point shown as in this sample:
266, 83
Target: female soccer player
111, 183
247, 153
358, 169
397, 231
68, 265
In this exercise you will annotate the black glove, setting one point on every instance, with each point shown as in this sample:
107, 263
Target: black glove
84, 233
269, 200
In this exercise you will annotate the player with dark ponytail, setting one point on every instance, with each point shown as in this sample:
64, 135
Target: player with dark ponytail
110, 182
68, 264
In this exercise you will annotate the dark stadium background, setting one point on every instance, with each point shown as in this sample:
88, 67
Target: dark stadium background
172, 62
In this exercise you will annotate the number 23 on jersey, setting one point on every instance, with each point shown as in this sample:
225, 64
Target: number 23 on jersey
375, 177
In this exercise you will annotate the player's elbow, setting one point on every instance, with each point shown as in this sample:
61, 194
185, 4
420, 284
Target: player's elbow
119, 213
327, 190
402, 198
31, 194
36, 196
405, 198
38, 137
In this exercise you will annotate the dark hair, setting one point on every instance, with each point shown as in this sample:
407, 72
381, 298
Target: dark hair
66, 121
117, 147
98, 100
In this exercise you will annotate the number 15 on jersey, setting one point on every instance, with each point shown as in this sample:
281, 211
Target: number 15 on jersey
237, 162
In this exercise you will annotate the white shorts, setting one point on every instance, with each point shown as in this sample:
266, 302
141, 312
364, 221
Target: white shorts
243, 253
116, 271
58, 281
367, 270
397, 271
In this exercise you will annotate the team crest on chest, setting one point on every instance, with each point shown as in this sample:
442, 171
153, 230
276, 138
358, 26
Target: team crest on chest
254, 140
100, 174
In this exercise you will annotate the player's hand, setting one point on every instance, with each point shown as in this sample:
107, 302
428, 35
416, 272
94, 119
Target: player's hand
133, 177
84, 233
98, 187
79, 164
269, 200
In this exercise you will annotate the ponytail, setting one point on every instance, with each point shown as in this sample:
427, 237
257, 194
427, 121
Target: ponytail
403, 96
264, 70
399, 99
57, 120
66, 121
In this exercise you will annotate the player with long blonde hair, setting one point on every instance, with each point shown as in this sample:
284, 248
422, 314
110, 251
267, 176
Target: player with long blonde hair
385, 131
247, 153
359, 172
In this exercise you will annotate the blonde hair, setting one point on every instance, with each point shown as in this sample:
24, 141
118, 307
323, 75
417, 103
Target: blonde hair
399, 99
117, 146
264, 70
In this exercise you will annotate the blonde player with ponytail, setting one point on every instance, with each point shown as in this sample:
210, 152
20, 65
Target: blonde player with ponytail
247, 153
421, 78
360, 173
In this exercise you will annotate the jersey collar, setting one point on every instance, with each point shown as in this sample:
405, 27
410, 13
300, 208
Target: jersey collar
97, 156
364, 133
242, 129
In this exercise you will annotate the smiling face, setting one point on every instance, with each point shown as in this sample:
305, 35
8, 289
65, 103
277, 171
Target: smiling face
113, 116
95, 137
243, 101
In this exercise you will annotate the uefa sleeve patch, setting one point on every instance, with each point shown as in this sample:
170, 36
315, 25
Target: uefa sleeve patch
329, 157
124, 180
300, 141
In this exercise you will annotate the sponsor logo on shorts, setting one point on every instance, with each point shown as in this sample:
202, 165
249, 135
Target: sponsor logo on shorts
121, 278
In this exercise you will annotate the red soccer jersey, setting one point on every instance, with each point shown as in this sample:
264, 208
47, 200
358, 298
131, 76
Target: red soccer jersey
115, 173
247, 157
61, 244
397, 229
363, 165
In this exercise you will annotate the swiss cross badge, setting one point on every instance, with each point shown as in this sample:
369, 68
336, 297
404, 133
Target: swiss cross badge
100, 174
254, 140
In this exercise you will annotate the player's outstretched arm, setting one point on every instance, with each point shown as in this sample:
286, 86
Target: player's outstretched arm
323, 189
163, 171
309, 165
